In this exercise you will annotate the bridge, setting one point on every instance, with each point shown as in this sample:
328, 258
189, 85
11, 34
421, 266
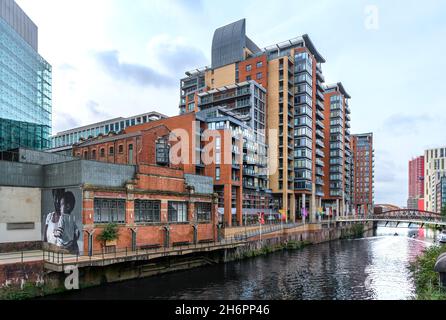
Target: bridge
402, 215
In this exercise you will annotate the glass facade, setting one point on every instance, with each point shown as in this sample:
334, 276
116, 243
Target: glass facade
25, 93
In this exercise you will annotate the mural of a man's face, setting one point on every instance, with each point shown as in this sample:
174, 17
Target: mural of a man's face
65, 207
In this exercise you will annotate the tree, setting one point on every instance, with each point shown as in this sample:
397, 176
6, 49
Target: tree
109, 233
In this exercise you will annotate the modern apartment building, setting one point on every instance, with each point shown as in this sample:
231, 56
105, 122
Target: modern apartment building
364, 173
233, 164
416, 184
290, 76
434, 166
441, 194
25, 82
338, 162
65, 140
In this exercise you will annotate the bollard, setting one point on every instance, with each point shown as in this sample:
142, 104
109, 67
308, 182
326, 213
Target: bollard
440, 267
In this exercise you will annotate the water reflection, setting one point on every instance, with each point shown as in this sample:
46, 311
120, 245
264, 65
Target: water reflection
362, 269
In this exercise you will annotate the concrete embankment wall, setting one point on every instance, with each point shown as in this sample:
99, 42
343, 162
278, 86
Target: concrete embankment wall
30, 280
313, 234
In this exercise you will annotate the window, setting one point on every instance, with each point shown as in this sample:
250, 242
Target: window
111, 151
93, 155
259, 64
102, 153
162, 151
177, 211
147, 211
121, 148
248, 68
259, 76
130, 153
217, 174
203, 211
109, 210
248, 78
85, 154
191, 106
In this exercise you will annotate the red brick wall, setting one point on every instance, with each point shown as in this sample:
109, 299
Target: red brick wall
148, 234
243, 73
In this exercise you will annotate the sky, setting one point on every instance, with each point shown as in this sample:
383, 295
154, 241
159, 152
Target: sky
115, 58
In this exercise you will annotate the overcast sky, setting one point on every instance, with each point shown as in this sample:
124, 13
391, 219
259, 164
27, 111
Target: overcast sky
115, 58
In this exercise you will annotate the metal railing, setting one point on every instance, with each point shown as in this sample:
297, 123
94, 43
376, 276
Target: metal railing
141, 252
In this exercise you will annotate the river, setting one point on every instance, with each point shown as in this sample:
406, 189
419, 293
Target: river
373, 268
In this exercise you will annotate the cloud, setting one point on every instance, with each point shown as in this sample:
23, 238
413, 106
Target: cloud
96, 112
67, 67
175, 54
133, 73
64, 121
191, 5
401, 124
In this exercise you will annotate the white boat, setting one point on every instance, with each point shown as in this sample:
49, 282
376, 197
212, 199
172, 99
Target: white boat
442, 237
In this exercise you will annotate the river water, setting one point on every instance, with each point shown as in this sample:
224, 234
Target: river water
373, 268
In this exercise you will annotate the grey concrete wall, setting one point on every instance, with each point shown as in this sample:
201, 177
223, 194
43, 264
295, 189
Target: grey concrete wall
62, 174
106, 174
202, 184
42, 158
20, 174
20, 205
19, 21
65, 174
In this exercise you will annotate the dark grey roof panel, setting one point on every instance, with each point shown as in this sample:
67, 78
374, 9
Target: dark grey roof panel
309, 44
228, 44
19, 21
252, 46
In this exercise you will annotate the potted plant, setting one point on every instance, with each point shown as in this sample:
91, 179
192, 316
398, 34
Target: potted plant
109, 235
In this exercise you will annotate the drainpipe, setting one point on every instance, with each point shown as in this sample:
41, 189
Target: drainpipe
440, 267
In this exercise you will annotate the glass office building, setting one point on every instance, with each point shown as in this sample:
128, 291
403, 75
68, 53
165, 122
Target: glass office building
25, 83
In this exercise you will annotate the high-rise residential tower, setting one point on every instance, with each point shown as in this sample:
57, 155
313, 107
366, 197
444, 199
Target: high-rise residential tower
338, 171
416, 184
25, 83
289, 105
364, 173
434, 166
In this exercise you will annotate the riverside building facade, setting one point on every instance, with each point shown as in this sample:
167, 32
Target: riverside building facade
338, 163
363, 173
434, 165
25, 83
416, 184
290, 76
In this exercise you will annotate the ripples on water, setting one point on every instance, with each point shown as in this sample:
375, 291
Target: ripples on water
362, 269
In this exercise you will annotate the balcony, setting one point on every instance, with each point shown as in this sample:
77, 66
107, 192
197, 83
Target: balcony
320, 76
347, 124
320, 134
319, 84
320, 163
347, 139
320, 115
320, 143
348, 118
319, 181
320, 172
320, 105
347, 110
320, 153
320, 124
320, 95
